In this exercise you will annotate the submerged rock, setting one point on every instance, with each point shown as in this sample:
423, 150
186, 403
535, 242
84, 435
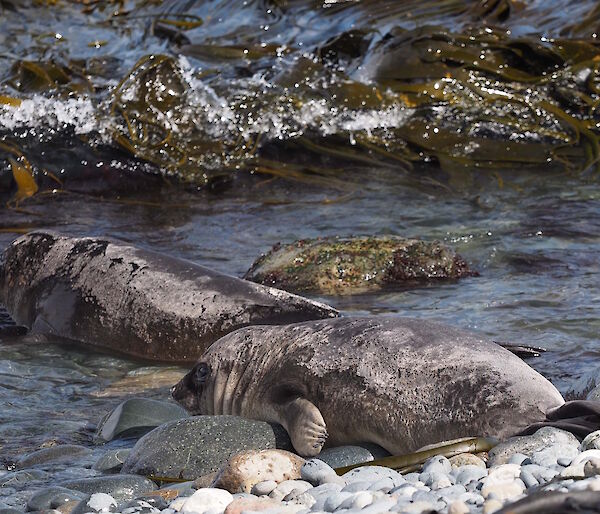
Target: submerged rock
137, 416
62, 452
110, 294
338, 266
189, 448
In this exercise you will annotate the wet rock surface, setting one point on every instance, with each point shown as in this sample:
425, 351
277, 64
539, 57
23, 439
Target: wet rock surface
137, 416
120, 487
53, 454
352, 265
192, 447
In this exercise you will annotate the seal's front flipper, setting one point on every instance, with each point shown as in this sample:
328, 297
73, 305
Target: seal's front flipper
305, 425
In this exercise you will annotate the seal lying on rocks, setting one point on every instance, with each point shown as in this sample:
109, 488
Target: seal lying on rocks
400, 383
138, 302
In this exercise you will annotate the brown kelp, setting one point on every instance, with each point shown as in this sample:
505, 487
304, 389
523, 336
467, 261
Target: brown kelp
201, 94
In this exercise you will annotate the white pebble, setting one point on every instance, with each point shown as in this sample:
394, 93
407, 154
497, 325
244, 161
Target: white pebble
101, 502
206, 500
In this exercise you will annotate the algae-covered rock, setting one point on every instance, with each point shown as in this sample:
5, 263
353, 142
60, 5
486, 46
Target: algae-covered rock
351, 265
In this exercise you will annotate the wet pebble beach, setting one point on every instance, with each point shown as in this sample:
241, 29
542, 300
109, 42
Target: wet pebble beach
225, 464
194, 169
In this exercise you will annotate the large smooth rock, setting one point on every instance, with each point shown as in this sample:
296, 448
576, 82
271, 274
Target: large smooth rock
247, 469
529, 444
136, 417
111, 294
189, 448
120, 487
63, 452
350, 265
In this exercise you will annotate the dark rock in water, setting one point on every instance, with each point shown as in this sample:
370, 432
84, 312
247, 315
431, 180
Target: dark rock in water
585, 387
53, 497
138, 302
120, 487
188, 448
337, 266
63, 452
594, 394
10, 511
21, 478
136, 417
341, 456
112, 461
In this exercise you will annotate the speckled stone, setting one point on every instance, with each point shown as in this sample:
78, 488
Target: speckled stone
192, 447
120, 487
317, 472
246, 469
372, 474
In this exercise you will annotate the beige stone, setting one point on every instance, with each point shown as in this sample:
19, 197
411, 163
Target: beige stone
166, 494
592, 467
458, 507
465, 459
491, 506
246, 469
504, 482
205, 480
251, 505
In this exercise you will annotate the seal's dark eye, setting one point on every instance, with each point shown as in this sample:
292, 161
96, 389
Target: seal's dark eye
201, 374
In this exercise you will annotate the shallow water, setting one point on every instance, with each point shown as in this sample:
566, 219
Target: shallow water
535, 247
532, 229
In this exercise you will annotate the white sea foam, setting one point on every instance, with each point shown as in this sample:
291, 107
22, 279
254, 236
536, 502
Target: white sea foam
50, 113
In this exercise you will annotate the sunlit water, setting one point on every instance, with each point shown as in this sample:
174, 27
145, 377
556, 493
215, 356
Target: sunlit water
534, 236
535, 247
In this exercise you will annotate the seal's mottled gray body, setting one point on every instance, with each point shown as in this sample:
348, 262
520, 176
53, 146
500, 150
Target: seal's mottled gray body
400, 383
113, 295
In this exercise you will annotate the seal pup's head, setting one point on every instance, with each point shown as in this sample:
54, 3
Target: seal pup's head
188, 391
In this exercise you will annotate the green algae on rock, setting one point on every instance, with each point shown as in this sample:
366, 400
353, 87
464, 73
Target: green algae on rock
351, 265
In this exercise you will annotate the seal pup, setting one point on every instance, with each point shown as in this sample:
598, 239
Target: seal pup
398, 382
112, 295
